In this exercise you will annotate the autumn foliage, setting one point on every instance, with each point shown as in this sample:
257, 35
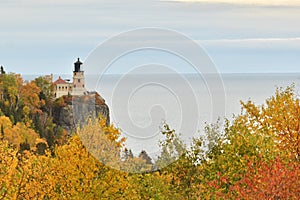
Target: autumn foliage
273, 180
254, 156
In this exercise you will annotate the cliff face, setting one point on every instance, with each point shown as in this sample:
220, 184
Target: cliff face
73, 111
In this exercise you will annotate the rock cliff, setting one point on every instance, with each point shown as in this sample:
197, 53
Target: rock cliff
72, 111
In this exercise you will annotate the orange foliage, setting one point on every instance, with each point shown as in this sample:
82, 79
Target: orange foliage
18, 133
275, 180
30, 95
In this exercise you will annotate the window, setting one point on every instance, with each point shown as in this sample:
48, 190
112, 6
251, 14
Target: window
78, 80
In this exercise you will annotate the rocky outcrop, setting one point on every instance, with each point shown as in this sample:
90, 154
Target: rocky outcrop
72, 111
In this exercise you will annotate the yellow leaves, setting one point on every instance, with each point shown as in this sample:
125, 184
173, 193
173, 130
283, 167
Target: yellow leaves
30, 95
5, 122
112, 133
90, 165
279, 118
78, 174
8, 171
27, 135
18, 133
27, 120
26, 110
260, 133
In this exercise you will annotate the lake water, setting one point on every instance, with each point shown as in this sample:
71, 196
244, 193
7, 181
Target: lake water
140, 103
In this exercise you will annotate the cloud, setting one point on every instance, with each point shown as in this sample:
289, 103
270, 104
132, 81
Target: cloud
257, 39
51, 33
255, 42
251, 2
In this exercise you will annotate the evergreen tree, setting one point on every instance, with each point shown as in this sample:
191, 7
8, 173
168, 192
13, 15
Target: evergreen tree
145, 157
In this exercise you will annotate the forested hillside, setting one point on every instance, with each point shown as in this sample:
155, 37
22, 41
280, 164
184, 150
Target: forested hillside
254, 156
26, 111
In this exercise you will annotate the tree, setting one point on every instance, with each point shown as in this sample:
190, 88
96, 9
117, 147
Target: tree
2, 70
258, 135
18, 134
176, 163
143, 155
281, 117
46, 92
30, 96
253, 157
102, 141
273, 180
127, 154
172, 148
8, 173
5, 123
10, 101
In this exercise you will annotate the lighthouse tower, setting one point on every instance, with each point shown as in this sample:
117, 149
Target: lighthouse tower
78, 79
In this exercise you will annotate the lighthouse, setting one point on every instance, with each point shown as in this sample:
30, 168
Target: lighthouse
78, 87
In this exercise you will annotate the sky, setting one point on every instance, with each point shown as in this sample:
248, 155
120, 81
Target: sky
256, 2
44, 37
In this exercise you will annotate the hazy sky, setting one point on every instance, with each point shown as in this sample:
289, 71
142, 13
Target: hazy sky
40, 37
256, 2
